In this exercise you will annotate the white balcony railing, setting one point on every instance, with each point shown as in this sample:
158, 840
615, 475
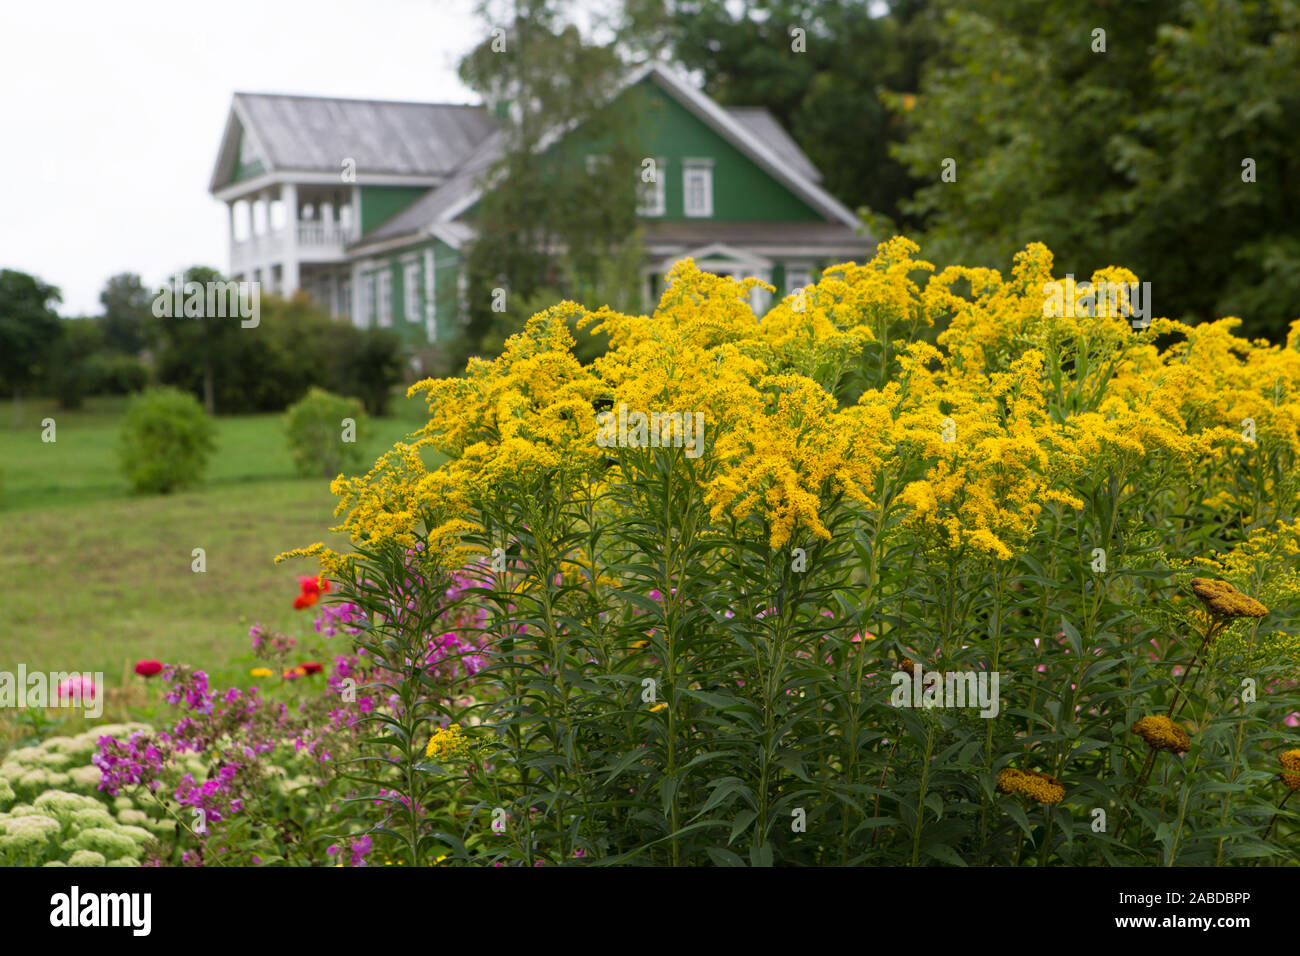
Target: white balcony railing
314, 238
314, 233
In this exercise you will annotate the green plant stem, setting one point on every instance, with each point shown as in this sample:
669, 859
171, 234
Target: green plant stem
921, 791
1269, 829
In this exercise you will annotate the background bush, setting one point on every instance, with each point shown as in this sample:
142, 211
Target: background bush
113, 373
315, 430
267, 368
165, 441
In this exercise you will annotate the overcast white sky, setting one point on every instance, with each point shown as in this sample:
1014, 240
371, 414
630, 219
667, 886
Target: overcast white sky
112, 111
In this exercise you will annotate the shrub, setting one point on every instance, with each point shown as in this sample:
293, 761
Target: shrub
71, 361
366, 363
72, 823
116, 374
165, 441
321, 443
1027, 598
295, 345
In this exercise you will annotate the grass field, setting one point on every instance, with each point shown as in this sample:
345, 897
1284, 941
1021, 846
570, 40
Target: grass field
95, 578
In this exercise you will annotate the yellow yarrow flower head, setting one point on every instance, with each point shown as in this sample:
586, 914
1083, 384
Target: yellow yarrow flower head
445, 743
1037, 786
908, 665
260, 672
1161, 733
1291, 761
1224, 600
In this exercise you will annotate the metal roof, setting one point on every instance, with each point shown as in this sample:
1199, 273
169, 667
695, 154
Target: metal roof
316, 133
763, 125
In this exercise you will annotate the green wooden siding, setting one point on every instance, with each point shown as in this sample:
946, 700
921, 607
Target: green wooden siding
414, 332
245, 171
381, 203
446, 268
742, 191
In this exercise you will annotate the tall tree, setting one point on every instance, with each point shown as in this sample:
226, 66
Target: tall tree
202, 345
559, 206
817, 65
1130, 146
126, 313
29, 328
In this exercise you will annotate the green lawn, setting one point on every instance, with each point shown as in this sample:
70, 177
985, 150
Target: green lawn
95, 578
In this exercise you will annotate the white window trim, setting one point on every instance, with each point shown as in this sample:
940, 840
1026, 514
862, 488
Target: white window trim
411, 290
384, 294
795, 273
367, 297
430, 297
655, 192
701, 169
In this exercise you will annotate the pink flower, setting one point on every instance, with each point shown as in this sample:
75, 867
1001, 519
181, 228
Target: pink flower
148, 668
78, 688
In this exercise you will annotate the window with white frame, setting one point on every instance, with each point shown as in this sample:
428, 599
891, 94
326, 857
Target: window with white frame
367, 315
697, 188
411, 304
651, 195
796, 278
385, 298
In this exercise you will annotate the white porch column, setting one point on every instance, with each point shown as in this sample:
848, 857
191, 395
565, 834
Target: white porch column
230, 211
357, 318
289, 199
430, 298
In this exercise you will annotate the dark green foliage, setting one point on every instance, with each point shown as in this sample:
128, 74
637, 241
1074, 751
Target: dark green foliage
294, 346
29, 327
1134, 155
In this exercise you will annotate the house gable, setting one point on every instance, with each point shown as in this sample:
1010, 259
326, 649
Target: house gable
752, 182
742, 190
248, 164
381, 203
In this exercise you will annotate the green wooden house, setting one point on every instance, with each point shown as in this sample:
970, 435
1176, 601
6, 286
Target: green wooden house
367, 206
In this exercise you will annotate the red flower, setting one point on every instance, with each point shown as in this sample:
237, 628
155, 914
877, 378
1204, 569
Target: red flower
311, 667
148, 668
314, 585
305, 599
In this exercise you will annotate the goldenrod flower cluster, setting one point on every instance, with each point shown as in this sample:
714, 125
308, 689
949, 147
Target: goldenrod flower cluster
1015, 409
446, 743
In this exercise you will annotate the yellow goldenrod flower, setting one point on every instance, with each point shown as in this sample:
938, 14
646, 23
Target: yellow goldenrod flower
448, 742
260, 672
658, 707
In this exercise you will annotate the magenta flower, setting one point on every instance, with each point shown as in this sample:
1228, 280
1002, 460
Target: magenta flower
77, 689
